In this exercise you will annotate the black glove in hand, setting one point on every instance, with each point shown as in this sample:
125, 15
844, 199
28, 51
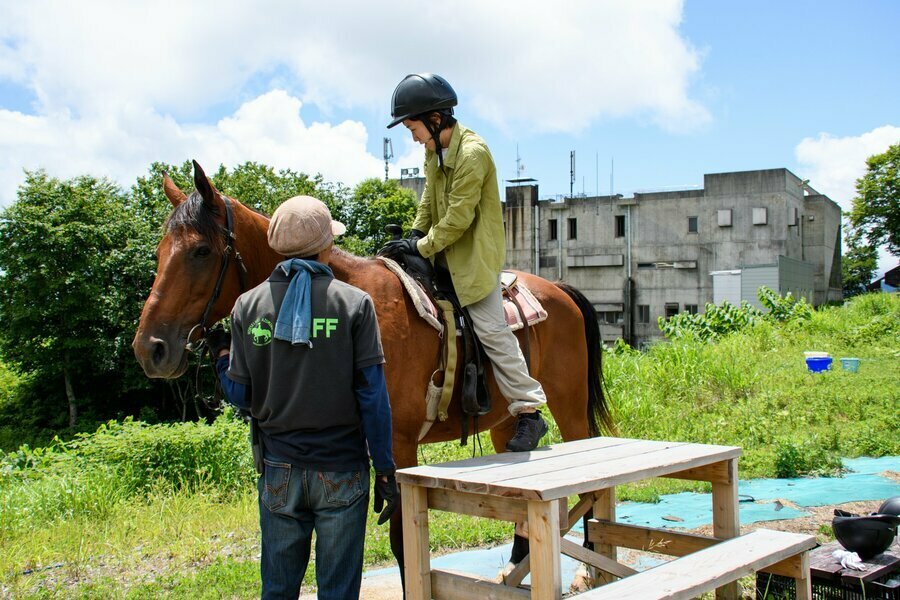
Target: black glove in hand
386, 491
217, 339
397, 247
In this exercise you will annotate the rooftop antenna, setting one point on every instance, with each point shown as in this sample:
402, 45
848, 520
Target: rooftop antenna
520, 168
571, 174
388, 155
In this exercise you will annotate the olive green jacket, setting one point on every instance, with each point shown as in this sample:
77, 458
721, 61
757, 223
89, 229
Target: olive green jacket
460, 212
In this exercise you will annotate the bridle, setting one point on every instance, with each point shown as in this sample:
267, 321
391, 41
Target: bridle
230, 247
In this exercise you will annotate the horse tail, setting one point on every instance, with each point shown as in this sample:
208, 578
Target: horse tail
598, 413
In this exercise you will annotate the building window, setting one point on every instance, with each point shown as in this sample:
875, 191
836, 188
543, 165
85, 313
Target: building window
643, 313
671, 309
690, 309
610, 317
620, 226
692, 224
573, 229
553, 232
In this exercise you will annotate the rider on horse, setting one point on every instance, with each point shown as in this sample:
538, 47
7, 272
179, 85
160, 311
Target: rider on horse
459, 227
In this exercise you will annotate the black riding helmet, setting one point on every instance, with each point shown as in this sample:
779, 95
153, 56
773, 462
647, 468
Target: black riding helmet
419, 95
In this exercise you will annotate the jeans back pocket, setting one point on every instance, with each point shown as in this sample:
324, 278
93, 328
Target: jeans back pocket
276, 477
342, 487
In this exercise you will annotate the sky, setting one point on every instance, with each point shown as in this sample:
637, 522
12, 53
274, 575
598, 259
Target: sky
649, 94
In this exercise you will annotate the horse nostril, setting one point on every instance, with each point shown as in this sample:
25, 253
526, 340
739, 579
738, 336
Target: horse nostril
160, 351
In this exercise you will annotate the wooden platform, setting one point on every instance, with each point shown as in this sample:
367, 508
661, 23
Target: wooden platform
533, 487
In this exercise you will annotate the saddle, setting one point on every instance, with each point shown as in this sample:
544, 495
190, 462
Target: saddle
432, 293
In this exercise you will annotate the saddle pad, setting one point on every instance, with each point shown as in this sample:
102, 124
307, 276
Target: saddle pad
424, 306
534, 312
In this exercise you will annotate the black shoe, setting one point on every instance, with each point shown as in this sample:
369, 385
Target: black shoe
530, 428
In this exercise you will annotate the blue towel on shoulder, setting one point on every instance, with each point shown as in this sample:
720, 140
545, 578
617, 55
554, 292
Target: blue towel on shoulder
295, 316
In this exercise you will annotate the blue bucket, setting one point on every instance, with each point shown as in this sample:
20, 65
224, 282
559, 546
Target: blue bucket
850, 364
818, 364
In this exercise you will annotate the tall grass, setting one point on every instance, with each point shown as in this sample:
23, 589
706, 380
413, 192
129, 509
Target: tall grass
173, 507
752, 389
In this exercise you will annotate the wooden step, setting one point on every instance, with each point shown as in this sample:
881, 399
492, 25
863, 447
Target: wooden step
703, 571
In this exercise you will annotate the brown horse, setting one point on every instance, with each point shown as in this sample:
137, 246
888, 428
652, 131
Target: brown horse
193, 262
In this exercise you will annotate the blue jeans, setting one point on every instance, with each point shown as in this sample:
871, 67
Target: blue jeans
294, 502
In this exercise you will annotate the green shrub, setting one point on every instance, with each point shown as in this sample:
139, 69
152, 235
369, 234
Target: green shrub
89, 475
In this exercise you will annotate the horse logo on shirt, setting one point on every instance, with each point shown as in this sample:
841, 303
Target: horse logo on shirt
261, 332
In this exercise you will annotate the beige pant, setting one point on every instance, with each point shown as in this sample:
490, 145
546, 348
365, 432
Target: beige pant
520, 389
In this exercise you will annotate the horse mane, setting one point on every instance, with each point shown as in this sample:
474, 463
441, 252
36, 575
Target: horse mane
194, 214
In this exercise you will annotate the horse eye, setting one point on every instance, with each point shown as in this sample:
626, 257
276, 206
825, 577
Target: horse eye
202, 251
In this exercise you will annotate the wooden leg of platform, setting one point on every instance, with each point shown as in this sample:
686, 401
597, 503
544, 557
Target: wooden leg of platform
726, 520
605, 509
543, 535
417, 558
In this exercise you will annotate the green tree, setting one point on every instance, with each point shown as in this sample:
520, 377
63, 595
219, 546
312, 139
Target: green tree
858, 266
876, 207
74, 265
374, 204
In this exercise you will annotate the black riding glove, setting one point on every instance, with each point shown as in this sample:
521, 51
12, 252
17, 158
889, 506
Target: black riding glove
399, 247
385, 491
217, 339
415, 235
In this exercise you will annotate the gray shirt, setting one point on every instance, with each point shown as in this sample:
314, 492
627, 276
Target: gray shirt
302, 388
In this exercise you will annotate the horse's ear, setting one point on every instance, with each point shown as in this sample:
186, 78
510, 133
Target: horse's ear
172, 191
205, 187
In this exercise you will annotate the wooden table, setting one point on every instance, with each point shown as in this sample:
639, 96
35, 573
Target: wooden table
533, 487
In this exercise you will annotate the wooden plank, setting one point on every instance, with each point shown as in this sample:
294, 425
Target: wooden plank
578, 479
416, 556
468, 466
521, 570
726, 520
489, 507
650, 539
554, 478
579, 552
717, 472
447, 585
478, 505
605, 508
543, 537
700, 572
803, 580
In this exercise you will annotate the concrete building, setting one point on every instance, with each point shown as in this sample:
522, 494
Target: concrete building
658, 254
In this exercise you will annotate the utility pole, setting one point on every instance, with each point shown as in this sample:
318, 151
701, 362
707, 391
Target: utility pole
388, 155
571, 174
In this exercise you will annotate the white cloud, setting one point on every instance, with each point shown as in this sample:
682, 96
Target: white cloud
116, 86
833, 164
268, 129
546, 66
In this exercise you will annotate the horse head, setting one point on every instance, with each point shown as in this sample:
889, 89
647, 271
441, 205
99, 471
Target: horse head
197, 255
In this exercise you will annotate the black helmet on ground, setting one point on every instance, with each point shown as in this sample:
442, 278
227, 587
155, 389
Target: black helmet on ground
867, 536
419, 94
891, 506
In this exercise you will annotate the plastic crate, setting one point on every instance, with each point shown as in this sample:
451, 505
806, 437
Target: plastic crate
776, 587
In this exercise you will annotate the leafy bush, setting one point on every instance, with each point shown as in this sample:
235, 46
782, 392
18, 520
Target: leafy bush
91, 474
784, 310
718, 321
713, 323
808, 457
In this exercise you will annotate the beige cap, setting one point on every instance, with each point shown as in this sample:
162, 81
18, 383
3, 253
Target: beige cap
302, 226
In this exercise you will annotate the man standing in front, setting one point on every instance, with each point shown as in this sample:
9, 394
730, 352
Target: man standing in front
306, 362
459, 226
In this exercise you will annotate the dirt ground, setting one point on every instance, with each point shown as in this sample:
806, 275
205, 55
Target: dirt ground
387, 587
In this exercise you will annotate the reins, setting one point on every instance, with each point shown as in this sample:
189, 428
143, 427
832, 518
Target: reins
230, 246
